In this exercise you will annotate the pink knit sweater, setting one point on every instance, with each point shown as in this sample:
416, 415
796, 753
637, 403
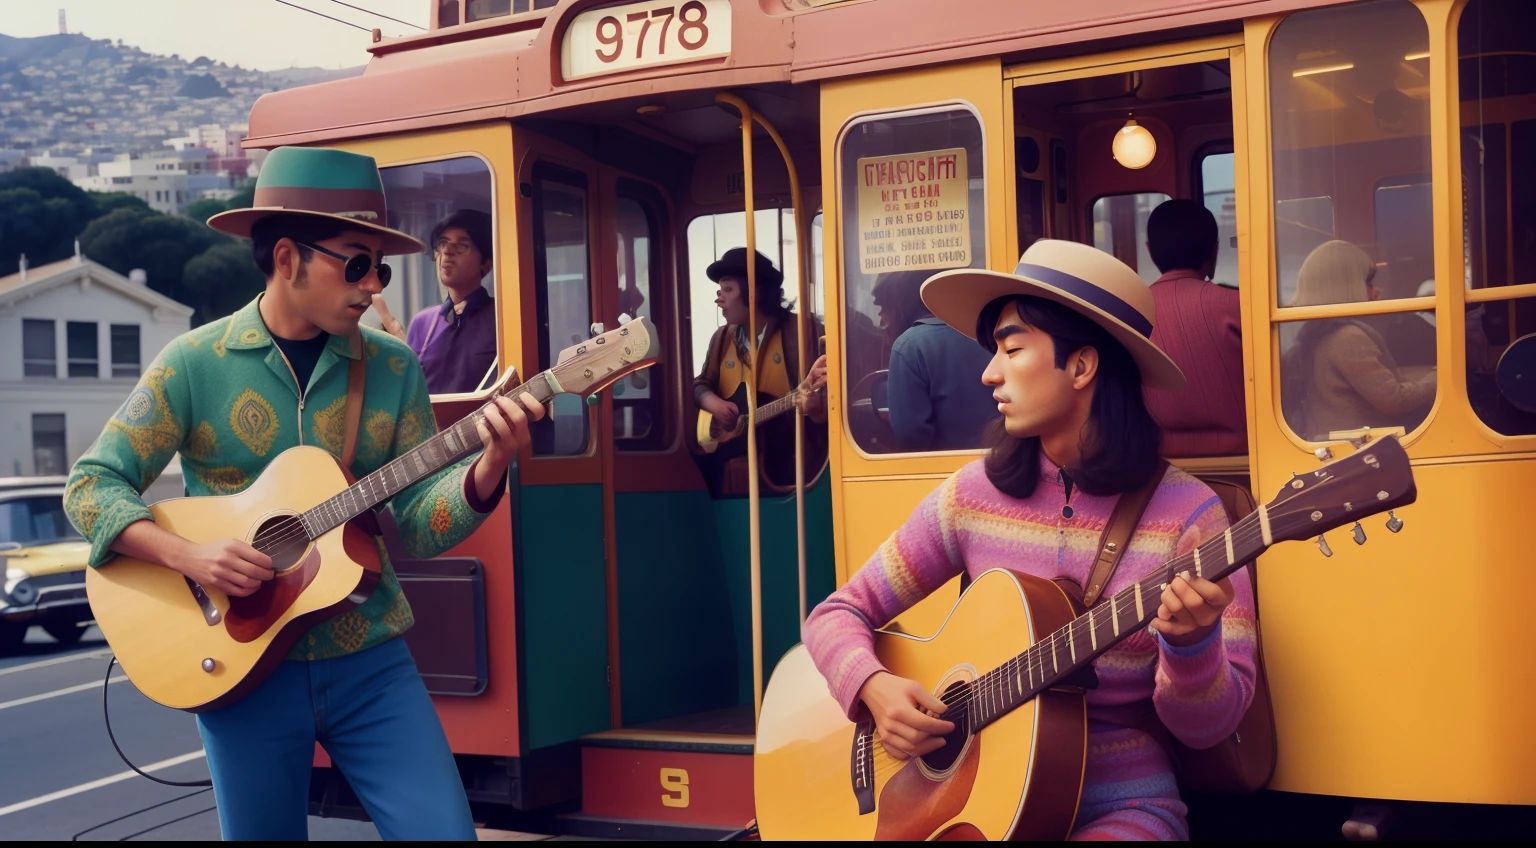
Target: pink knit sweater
1200, 692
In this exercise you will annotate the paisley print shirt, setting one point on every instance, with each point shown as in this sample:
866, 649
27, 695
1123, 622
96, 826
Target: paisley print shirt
224, 398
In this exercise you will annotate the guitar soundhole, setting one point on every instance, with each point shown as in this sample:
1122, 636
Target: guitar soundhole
957, 696
282, 538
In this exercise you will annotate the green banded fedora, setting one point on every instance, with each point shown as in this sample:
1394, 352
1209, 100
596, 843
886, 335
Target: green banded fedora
322, 183
1082, 278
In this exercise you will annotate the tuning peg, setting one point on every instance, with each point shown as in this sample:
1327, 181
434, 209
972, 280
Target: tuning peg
596, 328
1358, 533
624, 318
1394, 523
1361, 441
1322, 545
1323, 454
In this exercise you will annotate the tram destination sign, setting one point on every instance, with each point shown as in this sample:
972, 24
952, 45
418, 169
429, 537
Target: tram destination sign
913, 212
612, 39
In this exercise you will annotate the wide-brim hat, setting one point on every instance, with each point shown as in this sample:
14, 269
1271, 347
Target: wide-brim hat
733, 263
1082, 278
320, 183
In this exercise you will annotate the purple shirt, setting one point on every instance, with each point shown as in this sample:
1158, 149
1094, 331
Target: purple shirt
455, 349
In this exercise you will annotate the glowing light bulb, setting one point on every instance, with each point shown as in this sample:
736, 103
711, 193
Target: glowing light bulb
1134, 147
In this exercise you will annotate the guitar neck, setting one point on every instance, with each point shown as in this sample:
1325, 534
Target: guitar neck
1076, 645
447, 447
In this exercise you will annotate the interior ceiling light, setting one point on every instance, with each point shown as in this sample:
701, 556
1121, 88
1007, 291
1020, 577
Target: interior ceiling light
1134, 147
1322, 69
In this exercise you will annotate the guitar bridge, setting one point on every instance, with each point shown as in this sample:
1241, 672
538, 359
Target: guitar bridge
862, 766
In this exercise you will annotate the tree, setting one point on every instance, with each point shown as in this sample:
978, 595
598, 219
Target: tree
41, 227
203, 208
224, 277
162, 245
114, 200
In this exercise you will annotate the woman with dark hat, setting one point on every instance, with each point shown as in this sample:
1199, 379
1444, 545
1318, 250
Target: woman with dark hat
1069, 336
727, 366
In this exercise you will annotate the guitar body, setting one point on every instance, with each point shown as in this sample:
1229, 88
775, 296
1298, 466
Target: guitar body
163, 631
1018, 778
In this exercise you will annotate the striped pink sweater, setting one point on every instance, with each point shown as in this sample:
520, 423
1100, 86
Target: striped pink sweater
1200, 692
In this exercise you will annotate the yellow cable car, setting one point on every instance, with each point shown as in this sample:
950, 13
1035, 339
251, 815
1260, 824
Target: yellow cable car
606, 655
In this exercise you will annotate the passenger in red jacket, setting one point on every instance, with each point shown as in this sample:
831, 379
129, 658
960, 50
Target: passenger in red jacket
1199, 326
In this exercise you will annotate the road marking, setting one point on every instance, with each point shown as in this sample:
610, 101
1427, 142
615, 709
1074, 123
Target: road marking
69, 690
97, 784
89, 655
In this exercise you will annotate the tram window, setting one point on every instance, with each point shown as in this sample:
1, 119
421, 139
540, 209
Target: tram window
480, 10
709, 236
1496, 40
639, 402
1342, 374
1349, 90
1218, 189
914, 189
562, 285
1404, 237
451, 200
1120, 229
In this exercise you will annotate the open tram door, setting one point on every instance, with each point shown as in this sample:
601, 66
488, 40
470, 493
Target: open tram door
638, 609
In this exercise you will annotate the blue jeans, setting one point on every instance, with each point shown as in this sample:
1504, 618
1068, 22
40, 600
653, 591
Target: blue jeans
374, 718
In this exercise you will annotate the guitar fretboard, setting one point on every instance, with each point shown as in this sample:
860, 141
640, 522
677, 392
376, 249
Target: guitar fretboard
1074, 646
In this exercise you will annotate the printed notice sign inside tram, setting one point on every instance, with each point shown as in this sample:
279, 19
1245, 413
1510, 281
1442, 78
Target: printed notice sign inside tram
912, 212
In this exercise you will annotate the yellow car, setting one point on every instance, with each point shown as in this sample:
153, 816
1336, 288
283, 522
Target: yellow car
44, 558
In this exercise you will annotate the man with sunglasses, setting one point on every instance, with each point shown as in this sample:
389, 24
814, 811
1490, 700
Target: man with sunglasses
236, 392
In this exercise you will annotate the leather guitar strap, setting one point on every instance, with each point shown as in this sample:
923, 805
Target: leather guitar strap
1118, 531
357, 371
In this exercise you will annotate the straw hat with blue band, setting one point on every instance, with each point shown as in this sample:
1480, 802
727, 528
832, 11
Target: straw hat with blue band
322, 183
1086, 279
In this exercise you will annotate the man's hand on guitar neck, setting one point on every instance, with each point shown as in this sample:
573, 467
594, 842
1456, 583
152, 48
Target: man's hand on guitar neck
904, 715
503, 430
808, 397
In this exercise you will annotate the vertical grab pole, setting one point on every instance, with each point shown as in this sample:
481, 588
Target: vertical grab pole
803, 244
754, 532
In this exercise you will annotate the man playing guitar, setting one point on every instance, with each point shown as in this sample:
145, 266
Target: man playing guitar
1069, 337
231, 396
726, 367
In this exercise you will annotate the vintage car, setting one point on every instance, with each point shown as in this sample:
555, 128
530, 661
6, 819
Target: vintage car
44, 559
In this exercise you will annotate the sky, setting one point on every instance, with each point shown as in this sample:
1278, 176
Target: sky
261, 34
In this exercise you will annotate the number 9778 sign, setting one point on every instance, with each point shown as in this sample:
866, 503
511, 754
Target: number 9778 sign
611, 39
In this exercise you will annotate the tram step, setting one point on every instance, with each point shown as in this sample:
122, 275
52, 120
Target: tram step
650, 784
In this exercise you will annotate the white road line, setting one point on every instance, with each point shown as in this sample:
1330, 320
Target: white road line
97, 784
69, 690
89, 655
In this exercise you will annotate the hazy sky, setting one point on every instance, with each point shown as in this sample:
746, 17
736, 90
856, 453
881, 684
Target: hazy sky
260, 34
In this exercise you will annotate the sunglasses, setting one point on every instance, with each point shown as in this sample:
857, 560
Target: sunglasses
354, 268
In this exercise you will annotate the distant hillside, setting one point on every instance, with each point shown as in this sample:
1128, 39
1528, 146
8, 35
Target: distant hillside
71, 91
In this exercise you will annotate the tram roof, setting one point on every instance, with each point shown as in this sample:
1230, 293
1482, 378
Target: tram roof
509, 67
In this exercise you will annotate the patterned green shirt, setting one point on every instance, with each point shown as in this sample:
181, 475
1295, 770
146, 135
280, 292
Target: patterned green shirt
223, 396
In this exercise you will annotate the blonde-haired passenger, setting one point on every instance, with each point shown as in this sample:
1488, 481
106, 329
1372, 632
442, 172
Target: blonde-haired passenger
1340, 375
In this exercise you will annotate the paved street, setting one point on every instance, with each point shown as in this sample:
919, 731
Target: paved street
61, 777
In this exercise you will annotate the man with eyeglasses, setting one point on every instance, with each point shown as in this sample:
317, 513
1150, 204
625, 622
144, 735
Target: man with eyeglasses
229, 397
456, 342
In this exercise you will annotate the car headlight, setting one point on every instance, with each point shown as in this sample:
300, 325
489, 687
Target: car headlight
23, 592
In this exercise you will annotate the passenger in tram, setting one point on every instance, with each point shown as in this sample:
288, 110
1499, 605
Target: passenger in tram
1067, 369
1199, 326
934, 392
719, 390
1340, 374
456, 342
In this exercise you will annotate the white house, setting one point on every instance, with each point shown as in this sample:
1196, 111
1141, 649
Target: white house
74, 338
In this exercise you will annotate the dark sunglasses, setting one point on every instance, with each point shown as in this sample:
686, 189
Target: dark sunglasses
355, 268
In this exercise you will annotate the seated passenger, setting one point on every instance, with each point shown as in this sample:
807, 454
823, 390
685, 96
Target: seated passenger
456, 342
1339, 375
934, 391
1200, 328
721, 389
1073, 435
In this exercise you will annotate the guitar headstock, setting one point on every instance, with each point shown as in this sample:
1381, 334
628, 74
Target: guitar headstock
603, 360
1375, 478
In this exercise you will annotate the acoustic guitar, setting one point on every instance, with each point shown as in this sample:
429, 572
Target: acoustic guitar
1005, 661
195, 648
712, 434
